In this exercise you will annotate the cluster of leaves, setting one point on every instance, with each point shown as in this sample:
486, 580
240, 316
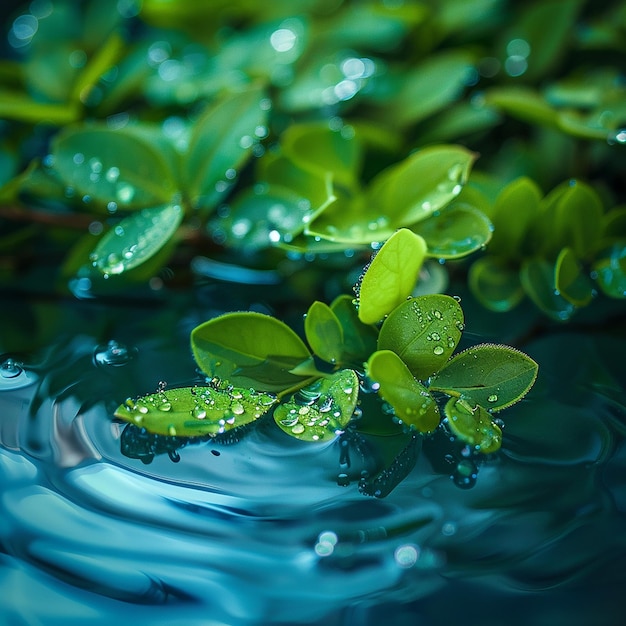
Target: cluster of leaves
559, 250
387, 342
312, 126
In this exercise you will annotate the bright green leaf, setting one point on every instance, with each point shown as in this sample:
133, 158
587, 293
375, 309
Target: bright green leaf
491, 375
324, 332
571, 280
135, 239
391, 276
411, 401
196, 411
221, 142
423, 332
473, 424
250, 349
495, 283
112, 168
359, 339
458, 230
322, 409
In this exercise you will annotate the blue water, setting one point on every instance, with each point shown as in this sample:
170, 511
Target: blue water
258, 532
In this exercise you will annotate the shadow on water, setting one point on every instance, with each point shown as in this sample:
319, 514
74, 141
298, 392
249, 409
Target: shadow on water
101, 522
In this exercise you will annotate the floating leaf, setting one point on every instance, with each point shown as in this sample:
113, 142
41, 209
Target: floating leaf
458, 230
411, 401
538, 279
221, 142
610, 268
322, 409
391, 276
571, 280
359, 339
491, 375
324, 332
196, 411
473, 424
423, 332
250, 349
112, 167
495, 283
135, 239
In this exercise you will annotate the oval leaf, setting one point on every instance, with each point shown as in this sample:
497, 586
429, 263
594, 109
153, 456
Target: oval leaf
423, 332
571, 280
537, 278
250, 349
135, 239
323, 332
491, 375
495, 284
196, 411
359, 339
112, 166
610, 267
321, 410
391, 276
221, 142
458, 230
411, 401
473, 425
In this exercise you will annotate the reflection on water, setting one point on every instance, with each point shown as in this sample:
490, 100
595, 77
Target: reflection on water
257, 531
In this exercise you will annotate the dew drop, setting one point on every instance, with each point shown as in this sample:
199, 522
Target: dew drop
10, 369
171, 430
298, 429
492, 398
165, 406
438, 350
199, 413
237, 408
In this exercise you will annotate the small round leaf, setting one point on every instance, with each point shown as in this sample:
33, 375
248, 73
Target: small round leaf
324, 332
473, 425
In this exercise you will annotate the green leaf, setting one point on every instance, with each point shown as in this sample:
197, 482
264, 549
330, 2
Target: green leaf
250, 349
491, 375
538, 279
473, 425
359, 339
391, 276
423, 332
112, 168
320, 410
495, 283
135, 239
610, 268
515, 208
458, 230
522, 103
411, 401
324, 332
22, 107
221, 142
571, 280
196, 411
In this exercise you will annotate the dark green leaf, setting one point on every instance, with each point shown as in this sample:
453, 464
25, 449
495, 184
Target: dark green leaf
391, 276
322, 409
324, 332
196, 411
491, 375
250, 349
571, 280
411, 401
473, 424
359, 339
538, 279
495, 284
610, 268
423, 332
135, 239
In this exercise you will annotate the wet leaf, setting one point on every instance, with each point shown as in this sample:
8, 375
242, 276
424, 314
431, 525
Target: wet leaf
321, 410
135, 239
112, 166
495, 283
359, 339
458, 230
324, 332
391, 276
491, 375
473, 424
610, 268
572, 282
250, 349
196, 411
423, 332
411, 401
221, 142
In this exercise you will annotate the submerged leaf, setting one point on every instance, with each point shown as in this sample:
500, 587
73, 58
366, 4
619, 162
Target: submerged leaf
473, 424
196, 411
322, 409
423, 332
411, 401
491, 375
391, 276
251, 349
